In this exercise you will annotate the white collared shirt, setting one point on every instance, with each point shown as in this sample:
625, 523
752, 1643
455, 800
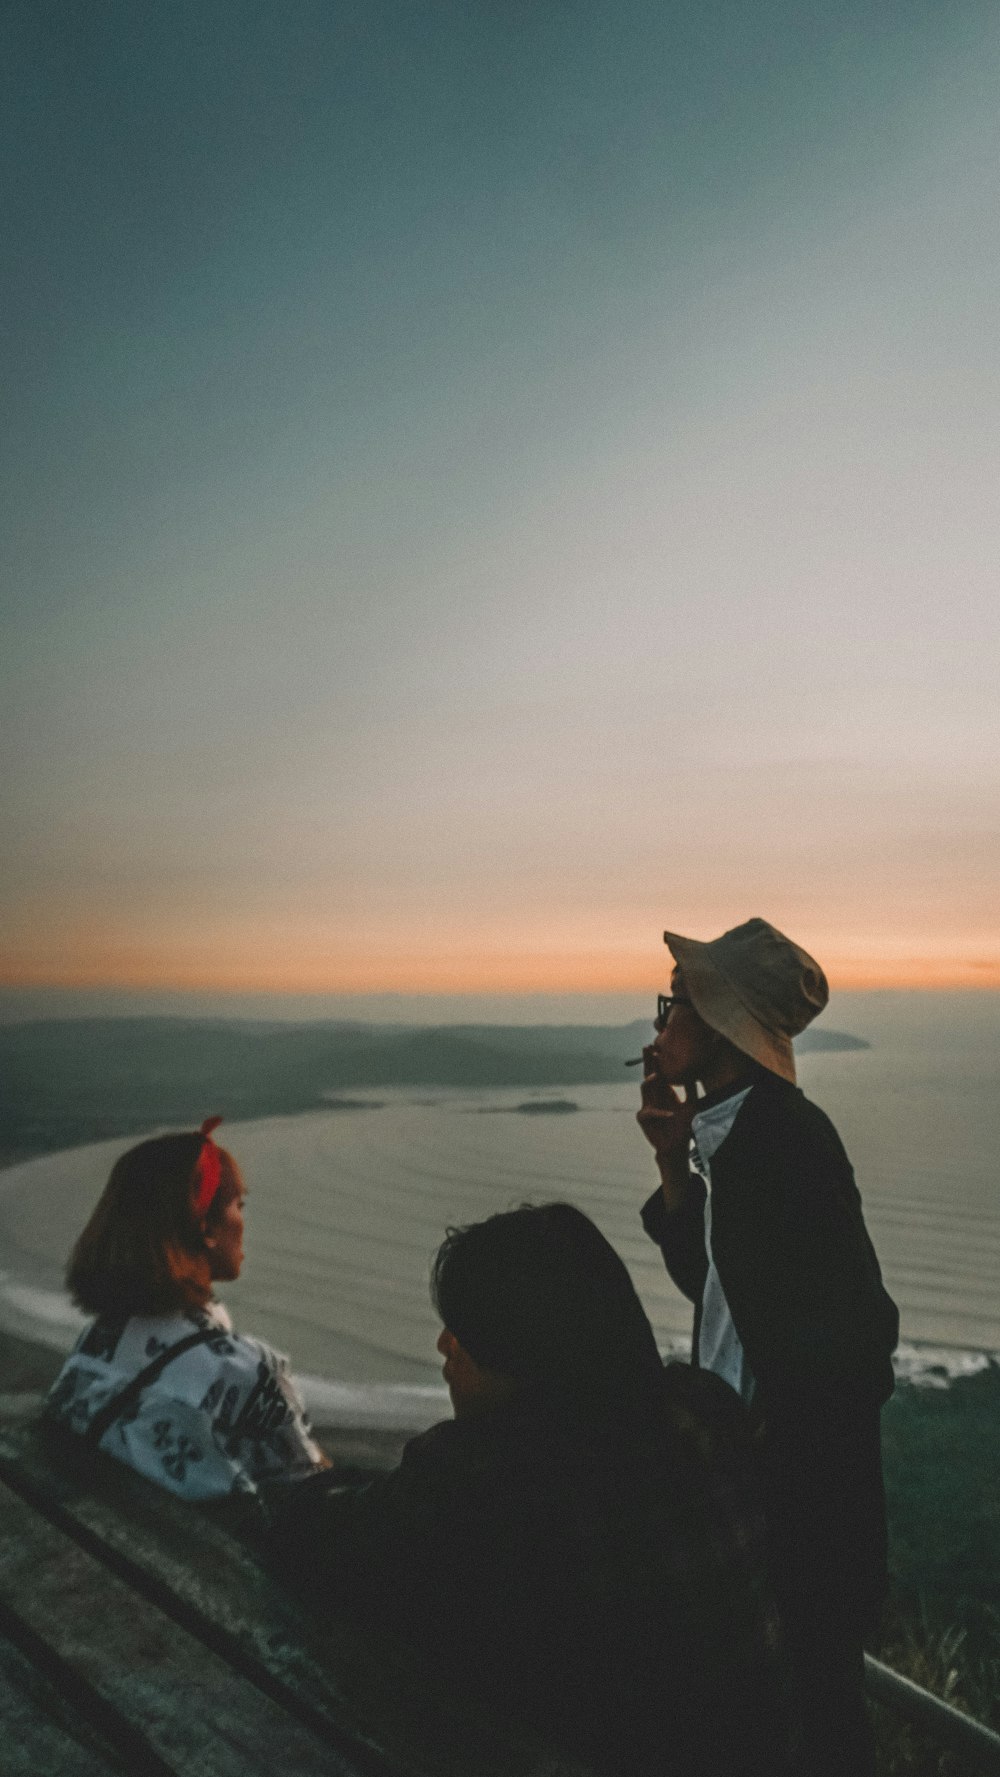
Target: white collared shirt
719, 1347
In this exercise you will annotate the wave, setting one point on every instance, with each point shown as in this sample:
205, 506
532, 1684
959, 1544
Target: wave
49, 1318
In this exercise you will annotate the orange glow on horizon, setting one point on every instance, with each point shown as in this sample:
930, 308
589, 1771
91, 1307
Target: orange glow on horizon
490, 970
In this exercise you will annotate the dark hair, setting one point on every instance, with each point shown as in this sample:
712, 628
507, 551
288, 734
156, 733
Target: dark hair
143, 1249
539, 1294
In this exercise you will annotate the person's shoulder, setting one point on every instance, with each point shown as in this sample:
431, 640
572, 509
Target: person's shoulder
489, 1455
243, 1363
452, 1444
243, 1351
218, 1357
777, 1110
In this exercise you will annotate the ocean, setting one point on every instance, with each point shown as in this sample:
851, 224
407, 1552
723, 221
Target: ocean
347, 1206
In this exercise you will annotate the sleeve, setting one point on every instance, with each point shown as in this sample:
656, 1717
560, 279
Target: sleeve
387, 1545
680, 1236
257, 1416
797, 1267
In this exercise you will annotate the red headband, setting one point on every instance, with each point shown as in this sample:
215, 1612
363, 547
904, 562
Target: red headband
208, 1169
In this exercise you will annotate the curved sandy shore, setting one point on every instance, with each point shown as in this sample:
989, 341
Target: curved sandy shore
38, 1324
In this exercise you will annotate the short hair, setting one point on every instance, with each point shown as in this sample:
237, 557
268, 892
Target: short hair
143, 1249
539, 1294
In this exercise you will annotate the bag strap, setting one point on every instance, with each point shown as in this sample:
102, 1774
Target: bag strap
127, 1397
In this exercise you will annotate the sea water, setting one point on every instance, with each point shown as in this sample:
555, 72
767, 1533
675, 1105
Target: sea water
347, 1206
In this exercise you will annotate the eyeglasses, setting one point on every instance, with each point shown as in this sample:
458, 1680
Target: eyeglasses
665, 1003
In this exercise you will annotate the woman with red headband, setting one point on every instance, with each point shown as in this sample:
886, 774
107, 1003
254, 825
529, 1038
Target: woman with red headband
160, 1380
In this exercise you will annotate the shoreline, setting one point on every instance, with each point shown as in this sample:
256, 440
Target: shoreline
30, 1361
29, 1367
39, 1318
368, 1427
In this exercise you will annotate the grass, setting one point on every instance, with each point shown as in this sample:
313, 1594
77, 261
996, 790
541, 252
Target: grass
942, 1622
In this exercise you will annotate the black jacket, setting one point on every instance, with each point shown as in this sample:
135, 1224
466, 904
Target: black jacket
805, 1292
601, 1576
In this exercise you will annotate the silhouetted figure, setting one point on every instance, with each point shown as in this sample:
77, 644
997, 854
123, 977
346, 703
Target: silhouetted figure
760, 1224
579, 1544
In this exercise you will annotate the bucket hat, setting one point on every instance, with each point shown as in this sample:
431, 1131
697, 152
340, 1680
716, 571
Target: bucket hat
755, 987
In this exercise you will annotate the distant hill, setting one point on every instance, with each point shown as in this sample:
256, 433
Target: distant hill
813, 1039
68, 1081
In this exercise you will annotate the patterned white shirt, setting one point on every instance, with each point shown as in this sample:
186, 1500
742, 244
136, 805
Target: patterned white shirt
219, 1418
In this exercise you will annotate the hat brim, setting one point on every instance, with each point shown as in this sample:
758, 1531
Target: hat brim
716, 1000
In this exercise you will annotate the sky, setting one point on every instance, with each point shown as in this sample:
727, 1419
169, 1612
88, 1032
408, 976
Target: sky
485, 482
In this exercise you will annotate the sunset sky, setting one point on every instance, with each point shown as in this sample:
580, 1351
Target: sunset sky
485, 482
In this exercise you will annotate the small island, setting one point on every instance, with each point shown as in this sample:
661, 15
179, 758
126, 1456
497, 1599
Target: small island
334, 1101
828, 1040
532, 1107
547, 1107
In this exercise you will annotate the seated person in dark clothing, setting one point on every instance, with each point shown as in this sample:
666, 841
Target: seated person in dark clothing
578, 1544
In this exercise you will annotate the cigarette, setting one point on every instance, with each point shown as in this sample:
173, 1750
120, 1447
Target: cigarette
636, 1061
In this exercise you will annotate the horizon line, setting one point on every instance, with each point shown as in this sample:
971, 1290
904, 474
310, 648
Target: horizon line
973, 978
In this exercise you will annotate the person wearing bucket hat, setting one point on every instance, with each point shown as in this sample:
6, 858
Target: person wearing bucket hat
760, 1224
